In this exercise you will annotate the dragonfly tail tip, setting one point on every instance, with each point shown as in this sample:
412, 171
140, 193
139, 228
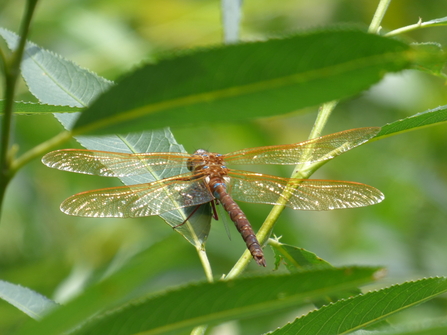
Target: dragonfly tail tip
261, 261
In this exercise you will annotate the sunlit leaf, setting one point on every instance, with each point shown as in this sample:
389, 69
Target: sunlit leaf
55, 80
28, 301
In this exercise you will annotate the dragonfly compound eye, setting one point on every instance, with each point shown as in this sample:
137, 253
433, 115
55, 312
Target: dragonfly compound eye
197, 160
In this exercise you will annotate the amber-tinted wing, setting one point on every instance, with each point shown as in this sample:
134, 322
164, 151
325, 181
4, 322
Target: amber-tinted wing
112, 164
306, 194
139, 200
315, 150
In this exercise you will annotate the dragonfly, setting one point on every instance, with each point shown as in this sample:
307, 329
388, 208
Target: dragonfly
209, 180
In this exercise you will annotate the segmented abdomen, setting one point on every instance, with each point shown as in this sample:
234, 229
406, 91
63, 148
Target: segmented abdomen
239, 219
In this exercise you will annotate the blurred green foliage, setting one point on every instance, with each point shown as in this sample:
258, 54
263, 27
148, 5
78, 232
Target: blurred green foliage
56, 255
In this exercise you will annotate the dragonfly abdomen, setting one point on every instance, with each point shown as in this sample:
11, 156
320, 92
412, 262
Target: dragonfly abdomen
240, 220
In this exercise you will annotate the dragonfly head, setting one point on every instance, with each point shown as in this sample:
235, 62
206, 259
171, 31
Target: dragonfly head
197, 160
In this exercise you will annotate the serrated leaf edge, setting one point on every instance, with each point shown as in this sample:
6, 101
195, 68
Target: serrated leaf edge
364, 294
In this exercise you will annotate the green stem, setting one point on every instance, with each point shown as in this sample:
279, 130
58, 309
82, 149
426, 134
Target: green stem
418, 25
304, 171
323, 115
374, 27
11, 70
39, 150
415, 26
301, 171
205, 263
231, 12
3, 61
35, 152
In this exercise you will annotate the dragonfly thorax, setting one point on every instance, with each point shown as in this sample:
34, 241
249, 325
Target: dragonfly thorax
207, 162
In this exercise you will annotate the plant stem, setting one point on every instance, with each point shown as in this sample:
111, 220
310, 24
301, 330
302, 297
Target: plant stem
411, 27
374, 27
302, 171
323, 115
231, 19
205, 263
39, 150
11, 69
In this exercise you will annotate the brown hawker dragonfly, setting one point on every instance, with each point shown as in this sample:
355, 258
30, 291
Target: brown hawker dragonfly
210, 180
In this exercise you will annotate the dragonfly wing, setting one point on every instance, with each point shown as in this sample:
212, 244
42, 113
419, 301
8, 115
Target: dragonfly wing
311, 151
304, 194
112, 164
138, 200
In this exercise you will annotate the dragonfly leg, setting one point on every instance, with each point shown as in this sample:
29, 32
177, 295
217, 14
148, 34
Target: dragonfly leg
213, 206
189, 216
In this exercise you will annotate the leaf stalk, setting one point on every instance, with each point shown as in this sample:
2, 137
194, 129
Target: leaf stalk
305, 170
11, 70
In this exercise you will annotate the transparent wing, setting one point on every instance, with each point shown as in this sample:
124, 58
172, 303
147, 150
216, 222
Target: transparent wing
139, 200
112, 164
306, 194
315, 150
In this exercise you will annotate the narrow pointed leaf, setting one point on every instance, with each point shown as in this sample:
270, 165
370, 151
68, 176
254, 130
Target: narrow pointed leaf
361, 311
57, 81
296, 259
137, 272
435, 22
53, 79
28, 301
245, 81
32, 108
209, 303
431, 117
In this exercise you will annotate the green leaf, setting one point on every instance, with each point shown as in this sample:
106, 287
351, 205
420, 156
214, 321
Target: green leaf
295, 258
210, 303
31, 108
28, 301
55, 80
128, 281
430, 117
245, 81
436, 22
361, 311
432, 58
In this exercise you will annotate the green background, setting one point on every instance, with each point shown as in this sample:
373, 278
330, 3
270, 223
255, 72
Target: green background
54, 254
